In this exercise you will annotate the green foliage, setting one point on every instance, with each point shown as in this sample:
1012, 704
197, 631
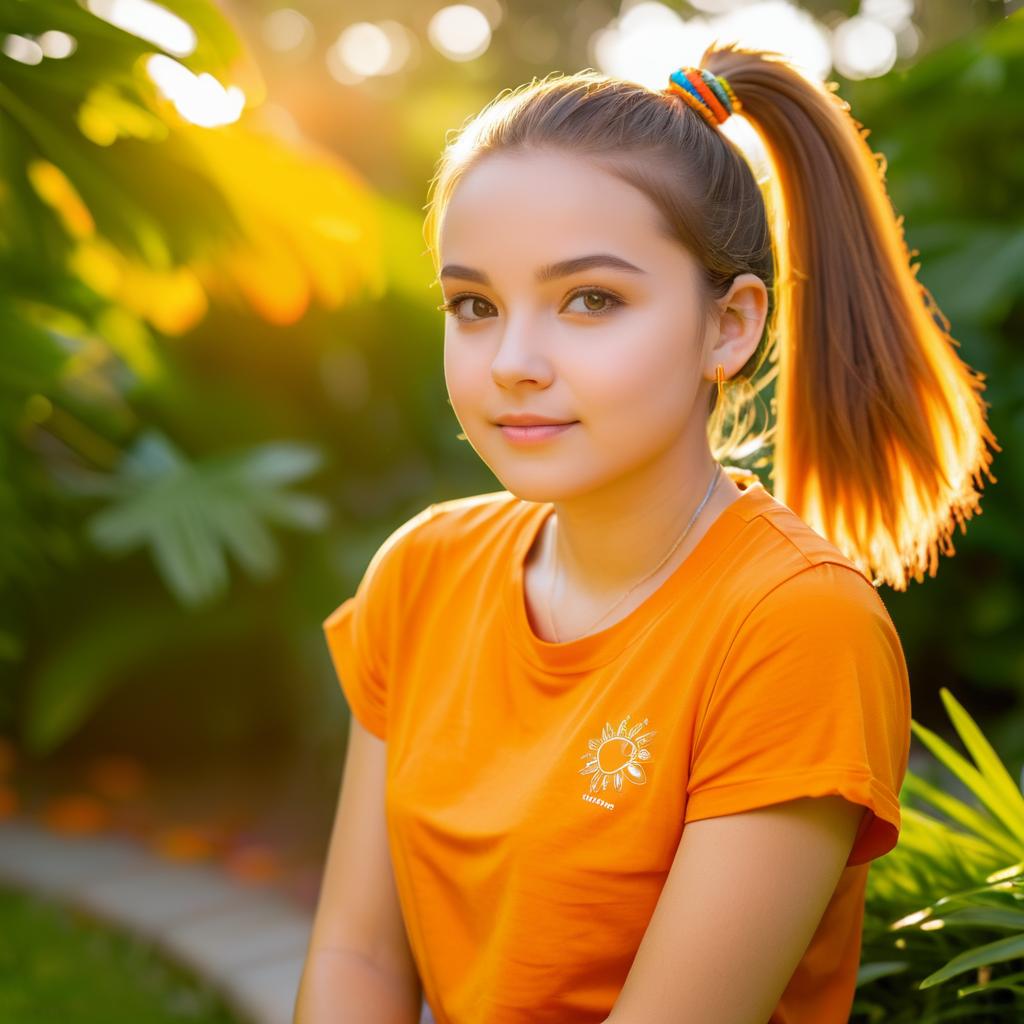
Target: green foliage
949, 892
61, 965
56, 326
111, 211
190, 515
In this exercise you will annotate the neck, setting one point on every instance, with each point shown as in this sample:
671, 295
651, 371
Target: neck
606, 541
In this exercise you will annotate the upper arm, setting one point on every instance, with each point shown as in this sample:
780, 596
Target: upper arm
795, 773
812, 699
358, 916
363, 632
739, 908
358, 908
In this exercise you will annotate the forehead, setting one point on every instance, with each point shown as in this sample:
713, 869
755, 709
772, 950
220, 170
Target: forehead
545, 201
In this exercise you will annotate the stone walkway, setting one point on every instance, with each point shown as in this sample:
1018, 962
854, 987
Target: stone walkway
248, 943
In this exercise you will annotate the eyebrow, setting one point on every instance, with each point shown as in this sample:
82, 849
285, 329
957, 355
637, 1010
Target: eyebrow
551, 271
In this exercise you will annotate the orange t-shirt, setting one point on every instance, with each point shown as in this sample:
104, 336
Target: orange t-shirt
537, 791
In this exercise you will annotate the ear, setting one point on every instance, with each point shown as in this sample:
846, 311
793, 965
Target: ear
742, 313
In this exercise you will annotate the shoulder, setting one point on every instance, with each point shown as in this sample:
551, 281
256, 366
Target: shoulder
784, 563
810, 637
404, 565
822, 619
788, 539
469, 518
434, 531
474, 513
782, 598
831, 599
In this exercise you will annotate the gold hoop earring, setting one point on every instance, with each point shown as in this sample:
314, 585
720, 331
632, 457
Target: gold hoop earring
720, 380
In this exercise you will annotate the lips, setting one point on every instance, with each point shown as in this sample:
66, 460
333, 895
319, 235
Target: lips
534, 432
525, 420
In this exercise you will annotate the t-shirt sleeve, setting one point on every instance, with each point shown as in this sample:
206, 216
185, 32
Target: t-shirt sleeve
362, 631
813, 698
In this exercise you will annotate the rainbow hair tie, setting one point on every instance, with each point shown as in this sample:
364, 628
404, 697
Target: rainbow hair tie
709, 94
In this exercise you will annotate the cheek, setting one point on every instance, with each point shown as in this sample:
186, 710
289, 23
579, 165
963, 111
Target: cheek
636, 388
462, 376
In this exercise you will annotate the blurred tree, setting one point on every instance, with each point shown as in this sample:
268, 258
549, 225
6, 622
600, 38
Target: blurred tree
174, 288
129, 208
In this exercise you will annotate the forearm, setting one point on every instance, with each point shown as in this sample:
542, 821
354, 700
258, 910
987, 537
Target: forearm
344, 987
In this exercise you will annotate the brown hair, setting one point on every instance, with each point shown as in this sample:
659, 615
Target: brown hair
879, 440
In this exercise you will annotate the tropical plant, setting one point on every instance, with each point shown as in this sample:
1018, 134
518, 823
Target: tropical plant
127, 215
948, 899
121, 222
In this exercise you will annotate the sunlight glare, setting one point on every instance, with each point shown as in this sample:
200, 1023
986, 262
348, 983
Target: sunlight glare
364, 48
650, 40
460, 32
200, 99
863, 48
287, 29
23, 50
57, 45
149, 21
894, 13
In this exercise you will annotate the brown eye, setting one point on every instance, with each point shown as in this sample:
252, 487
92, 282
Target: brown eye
596, 301
479, 307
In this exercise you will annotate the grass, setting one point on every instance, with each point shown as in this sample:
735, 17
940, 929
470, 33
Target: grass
59, 965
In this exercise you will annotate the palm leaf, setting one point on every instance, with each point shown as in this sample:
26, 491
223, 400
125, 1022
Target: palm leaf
1000, 781
984, 788
981, 956
190, 515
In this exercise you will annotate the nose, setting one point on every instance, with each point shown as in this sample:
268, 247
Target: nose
521, 355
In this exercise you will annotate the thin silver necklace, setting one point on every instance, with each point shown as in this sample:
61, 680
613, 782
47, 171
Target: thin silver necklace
675, 547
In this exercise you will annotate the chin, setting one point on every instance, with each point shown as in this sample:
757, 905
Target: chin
549, 483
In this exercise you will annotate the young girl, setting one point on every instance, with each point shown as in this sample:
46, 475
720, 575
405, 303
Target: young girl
628, 733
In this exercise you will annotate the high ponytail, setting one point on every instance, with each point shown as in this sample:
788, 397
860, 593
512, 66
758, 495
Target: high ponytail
880, 437
879, 440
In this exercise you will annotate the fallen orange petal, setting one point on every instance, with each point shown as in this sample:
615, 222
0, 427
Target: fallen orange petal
9, 802
253, 863
76, 814
183, 842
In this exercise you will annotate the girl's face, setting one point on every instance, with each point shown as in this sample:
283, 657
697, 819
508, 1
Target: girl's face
614, 347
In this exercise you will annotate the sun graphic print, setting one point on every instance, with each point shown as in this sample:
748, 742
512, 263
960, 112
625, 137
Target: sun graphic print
616, 755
